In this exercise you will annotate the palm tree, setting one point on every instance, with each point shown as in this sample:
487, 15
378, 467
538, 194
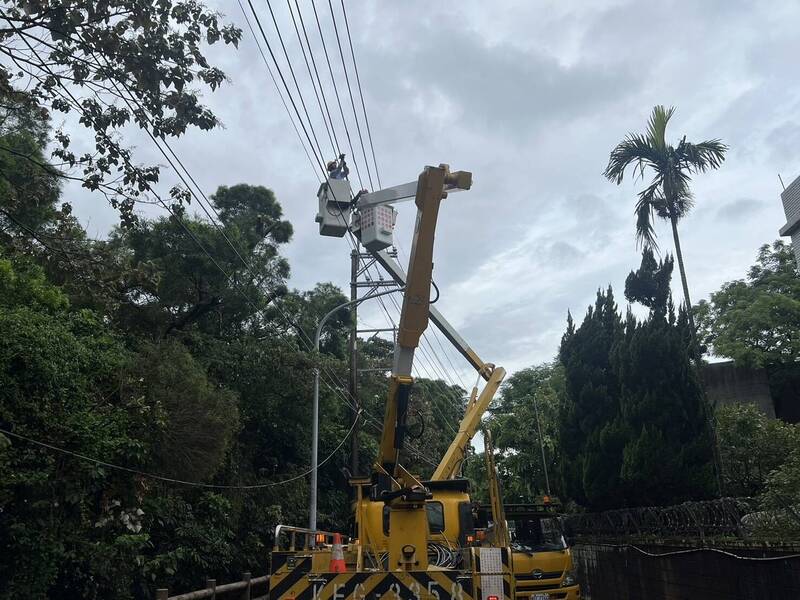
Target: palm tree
668, 195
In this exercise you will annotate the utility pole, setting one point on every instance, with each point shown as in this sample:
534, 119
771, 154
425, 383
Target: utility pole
541, 444
312, 518
353, 351
360, 264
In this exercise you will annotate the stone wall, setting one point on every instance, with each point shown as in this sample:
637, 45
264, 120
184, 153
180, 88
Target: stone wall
627, 572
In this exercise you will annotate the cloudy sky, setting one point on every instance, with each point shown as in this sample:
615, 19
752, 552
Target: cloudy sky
530, 97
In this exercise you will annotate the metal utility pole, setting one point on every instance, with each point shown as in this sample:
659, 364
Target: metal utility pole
541, 444
353, 351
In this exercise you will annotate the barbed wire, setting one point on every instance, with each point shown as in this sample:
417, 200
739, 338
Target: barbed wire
738, 517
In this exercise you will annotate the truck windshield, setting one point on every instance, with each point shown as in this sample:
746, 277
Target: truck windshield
536, 534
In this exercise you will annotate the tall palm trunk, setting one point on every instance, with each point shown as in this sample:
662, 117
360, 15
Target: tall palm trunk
687, 301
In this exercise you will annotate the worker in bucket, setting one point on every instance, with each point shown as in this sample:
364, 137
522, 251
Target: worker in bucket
338, 169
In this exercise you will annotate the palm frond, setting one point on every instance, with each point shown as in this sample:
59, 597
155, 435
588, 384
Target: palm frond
634, 149
675, 184
649, 200
657, 125
703, 156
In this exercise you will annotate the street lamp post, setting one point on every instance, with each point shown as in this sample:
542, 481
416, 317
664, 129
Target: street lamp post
312, 518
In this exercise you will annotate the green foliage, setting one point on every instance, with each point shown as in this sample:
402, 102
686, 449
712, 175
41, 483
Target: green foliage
111, 64
515, 429
193, 420
138, 351
254, 212
756, 321
305, 311
61, 376
29, 186
633, 425
192, 538
667, 455
24, 284
436, 410
591, 402
782, 491
649, 284
752, 446
668, 195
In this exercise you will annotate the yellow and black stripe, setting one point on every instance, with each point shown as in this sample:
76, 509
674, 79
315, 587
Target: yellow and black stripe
291, 578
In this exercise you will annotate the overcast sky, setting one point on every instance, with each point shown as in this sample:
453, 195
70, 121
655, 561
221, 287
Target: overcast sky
530, 97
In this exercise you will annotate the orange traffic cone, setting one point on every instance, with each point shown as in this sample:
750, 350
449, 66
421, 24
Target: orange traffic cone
337, 556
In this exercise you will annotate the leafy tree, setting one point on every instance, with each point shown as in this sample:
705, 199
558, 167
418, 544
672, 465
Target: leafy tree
255, 212
111, 64
436, 411
29, 186
305, 311
751, 447
515, 427
62, 379
668, 195
782, 492
193, 420
667, 456
756, 321
192, 273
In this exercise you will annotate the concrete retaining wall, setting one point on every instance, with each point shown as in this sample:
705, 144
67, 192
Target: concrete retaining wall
727, 383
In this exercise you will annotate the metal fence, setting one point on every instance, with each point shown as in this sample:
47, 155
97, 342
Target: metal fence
724, 517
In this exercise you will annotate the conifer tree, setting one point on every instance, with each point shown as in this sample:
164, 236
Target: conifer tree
633, 423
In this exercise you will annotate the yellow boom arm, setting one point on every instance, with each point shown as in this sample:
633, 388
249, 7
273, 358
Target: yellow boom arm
500, 535
455, 454
431, 186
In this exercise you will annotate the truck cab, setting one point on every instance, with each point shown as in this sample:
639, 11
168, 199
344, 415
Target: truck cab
450, 521
541, 558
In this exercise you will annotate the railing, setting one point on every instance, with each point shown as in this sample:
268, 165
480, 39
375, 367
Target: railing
245, 588
309, 537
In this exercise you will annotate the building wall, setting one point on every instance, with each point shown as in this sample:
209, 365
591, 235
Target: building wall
791, 208
727, 383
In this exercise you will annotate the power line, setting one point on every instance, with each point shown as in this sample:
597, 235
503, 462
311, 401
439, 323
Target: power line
316, 72
285, 85
294, 78
278, 90
216, 224
361, 94
170, 211
336, 92
212, 486
350, 91
334, 146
